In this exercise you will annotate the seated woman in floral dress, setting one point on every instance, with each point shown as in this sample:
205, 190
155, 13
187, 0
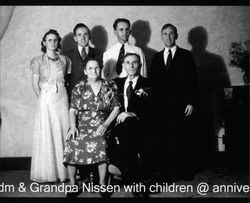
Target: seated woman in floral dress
94, 105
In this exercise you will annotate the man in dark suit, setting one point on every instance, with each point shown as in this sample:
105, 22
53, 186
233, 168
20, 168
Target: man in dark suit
79, 54
174, 83
131, 127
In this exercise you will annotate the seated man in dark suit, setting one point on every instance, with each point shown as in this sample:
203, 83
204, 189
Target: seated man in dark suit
131, 148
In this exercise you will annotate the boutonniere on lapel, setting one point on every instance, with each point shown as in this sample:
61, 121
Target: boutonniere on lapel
142, 92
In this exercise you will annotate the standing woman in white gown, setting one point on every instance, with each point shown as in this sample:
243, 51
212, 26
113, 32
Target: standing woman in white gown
52, 115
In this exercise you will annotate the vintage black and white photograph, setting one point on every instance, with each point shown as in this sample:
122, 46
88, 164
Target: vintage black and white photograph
124, 101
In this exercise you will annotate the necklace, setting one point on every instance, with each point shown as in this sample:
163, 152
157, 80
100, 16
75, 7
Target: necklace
53, 59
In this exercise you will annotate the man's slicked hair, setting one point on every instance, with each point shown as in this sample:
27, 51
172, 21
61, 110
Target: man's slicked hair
169, 25
80, 25
132, 54
118, 20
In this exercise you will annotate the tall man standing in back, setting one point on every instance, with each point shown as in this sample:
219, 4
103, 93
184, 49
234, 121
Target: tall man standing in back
79, 54
174, 82
113, 57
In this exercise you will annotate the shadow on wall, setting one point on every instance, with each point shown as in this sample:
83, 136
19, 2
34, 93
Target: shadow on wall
212, 78
68, 42
99, 37
141, 31
5, 15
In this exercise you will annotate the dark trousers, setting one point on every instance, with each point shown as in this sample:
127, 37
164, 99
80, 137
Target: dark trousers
129, 154
175, 145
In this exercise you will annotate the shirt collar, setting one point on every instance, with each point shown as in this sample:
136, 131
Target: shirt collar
120, 44
173, 49
134, 80
80, 49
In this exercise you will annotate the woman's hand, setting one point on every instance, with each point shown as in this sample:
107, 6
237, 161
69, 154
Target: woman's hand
101, 129
72, 133
35, 84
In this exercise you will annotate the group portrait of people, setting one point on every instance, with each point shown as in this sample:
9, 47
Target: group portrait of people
104, 113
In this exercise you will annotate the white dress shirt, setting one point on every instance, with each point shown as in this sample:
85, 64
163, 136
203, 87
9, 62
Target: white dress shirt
86, 49
110, 58
173, 50
125, 89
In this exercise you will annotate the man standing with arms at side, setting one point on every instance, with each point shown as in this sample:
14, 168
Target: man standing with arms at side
79, 54
113, 57
174, 83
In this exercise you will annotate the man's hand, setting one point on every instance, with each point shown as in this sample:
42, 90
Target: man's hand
188, 110
121, 117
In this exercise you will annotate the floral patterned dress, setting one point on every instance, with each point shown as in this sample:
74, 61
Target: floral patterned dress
93, 110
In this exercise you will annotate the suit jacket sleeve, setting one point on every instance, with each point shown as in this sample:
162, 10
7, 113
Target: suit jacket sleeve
144, 65
154, 74
192, 83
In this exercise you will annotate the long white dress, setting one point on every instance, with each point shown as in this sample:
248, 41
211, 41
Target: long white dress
51, 121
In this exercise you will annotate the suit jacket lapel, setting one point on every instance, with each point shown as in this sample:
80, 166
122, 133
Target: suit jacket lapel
176, 55
134, 97
91, 52
162, 59
138, 84
77, 54
120, 85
